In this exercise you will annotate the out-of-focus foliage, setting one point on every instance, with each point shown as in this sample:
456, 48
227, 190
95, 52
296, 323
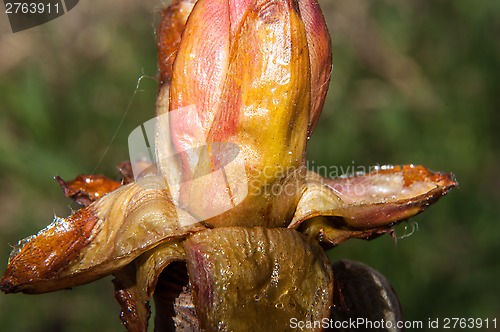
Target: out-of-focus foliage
413, 82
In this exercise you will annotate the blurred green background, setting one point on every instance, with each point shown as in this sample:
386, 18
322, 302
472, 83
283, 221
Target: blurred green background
413, 82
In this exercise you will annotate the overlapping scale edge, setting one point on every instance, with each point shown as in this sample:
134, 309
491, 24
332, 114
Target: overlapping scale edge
85, 189
320, 56
257, 278
96, 240
136, 283
366, 206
